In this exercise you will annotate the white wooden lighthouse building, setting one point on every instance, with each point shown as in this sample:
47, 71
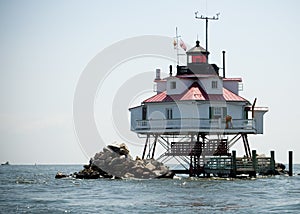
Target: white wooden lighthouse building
196, 113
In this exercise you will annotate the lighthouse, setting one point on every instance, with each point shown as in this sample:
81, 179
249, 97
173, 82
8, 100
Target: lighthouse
196, 114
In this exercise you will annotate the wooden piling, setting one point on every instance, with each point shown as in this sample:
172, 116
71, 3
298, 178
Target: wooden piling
272, 163
290, 163
191, 166
254, 162
233, 163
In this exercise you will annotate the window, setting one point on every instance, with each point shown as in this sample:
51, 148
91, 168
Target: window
240, 86
217, 112
173, 85
190, 59
199, 59
169, 113
214, 84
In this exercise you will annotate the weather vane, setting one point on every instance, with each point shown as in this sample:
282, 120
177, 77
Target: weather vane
176, 43
206, 26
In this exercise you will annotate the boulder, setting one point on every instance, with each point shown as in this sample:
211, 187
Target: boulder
120, 149
60, 175
115, 162
150, 166
280, 169
128, 175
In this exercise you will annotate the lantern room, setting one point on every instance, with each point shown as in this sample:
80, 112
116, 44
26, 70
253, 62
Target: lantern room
197, 55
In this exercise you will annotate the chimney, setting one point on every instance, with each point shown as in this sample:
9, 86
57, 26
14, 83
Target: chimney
157, 74
223, 64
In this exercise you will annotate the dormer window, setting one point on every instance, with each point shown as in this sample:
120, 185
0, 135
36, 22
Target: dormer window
214, 84
173, 85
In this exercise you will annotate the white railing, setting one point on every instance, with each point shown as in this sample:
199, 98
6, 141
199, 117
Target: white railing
193, 123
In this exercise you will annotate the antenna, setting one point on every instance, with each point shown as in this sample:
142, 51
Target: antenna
206, 26
177, 37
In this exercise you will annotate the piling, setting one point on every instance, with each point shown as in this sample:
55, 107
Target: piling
290, 163
272, 163
254, 162
233, 163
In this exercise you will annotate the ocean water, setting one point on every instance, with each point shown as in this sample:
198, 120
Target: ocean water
33, 189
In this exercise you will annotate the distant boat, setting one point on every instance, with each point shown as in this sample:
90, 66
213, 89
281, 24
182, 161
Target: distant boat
6, 163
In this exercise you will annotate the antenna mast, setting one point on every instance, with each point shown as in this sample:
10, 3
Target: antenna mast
206, 26
177, 46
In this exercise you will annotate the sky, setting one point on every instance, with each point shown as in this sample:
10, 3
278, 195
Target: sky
45, 46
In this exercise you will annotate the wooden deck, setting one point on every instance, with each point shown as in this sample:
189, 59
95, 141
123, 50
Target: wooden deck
212, 147
231, 166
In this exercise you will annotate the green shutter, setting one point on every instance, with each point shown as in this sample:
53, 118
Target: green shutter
211, 112
245, 114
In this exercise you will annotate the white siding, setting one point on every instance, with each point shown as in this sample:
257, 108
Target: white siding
181, 85
192, 109
204, 110
235, 110
184, 84
206, 84
232, 86
161, 86
188, 110
259, 121
135, 114
193, 115
158, 110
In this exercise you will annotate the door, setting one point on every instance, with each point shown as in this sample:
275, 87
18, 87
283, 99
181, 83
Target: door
144, 113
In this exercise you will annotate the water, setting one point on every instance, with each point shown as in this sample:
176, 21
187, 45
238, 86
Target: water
33, 189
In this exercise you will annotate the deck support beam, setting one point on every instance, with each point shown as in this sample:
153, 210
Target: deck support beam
246, 145
191, 149
154, 145
145, 147
234, 140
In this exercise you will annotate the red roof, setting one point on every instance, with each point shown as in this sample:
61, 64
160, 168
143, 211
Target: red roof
237, 79
195, 92
195, 75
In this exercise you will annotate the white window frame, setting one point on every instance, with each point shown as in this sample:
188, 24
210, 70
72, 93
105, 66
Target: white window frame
173, 85
217, 111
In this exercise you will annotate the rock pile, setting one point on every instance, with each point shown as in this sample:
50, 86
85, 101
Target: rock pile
115, 161
280, 169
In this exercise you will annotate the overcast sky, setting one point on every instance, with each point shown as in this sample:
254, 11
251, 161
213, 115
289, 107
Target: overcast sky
46, 45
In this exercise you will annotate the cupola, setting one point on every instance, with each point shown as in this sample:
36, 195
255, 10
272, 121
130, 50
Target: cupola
197, 55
